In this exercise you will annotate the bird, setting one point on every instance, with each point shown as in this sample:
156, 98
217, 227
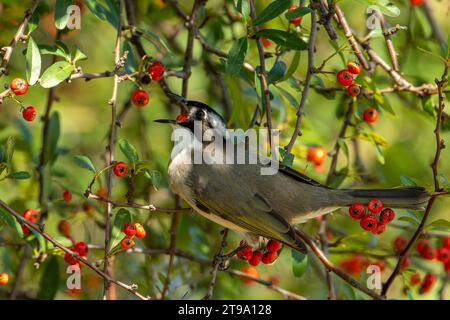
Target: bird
238, 197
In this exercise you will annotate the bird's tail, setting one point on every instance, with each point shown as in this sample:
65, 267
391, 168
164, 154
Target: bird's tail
414, 198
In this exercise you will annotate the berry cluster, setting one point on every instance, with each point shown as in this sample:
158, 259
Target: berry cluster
428, 252
20, 87
254, 257
316, 155
81, 248
141, 97
131, 230
32, 216
4, 278
376, 220
346, 76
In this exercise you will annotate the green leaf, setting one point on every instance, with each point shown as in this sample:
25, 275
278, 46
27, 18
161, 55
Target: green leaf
33, 62
19, 175
155, 176
56, 73
11, 221
121, 217
243, 7
129, 151
409, 219
61, 15
293, 66
272, 11
158, 42
103, 13
438, 224
49, 283
79, 55
277, 72
428, 106
64, 48
385, 6
33, 22
289, 41
84, 162
236, 56
407, 181
297, 13
53, 137
299, 263
52, 50
344, 147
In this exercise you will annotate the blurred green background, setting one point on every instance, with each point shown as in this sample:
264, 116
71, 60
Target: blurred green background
85, 119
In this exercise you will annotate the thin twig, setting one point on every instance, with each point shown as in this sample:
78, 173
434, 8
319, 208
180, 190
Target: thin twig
110, 150
20, 34
131, 288
263, 80
389, 43
440, 145
306, 87
216, 263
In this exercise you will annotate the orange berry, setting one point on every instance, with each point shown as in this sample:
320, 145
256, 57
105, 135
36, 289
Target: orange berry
251, 271
140, 231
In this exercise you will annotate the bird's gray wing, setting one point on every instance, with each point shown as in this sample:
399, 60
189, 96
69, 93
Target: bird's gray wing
255, 215
288, 171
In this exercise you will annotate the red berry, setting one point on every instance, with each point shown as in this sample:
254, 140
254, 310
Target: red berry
31, 215
4, 278
381, 264
127, 243
357, 211
375, 205
245, 253
316, 155
370, 115
446, 242
140, 98
443, 255
368, 223
273, 246
82, 248
295, 20
379, 229
345, 77
129, 229
415, 279
354, 67
64, 228
266, 43
67, 195
251, 272
29, 114
156, 70
182, 117
256, 258
140, 231
387, 216
354, 90
19, 86
429, 253
269, 257
422, 244
400, 243
447, 266
416, 3
25, 230
70, 259
427, 284
354, 265
120, 169
405, 263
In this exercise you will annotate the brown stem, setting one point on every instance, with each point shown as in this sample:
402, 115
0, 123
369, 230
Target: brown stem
215, 267
306, 86
110, 153
434, 166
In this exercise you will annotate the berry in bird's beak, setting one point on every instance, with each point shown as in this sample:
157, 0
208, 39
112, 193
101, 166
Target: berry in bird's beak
181, 118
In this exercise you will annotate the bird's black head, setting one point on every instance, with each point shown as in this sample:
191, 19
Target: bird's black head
197, 112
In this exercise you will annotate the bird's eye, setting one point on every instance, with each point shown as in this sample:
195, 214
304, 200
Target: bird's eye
200, 115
